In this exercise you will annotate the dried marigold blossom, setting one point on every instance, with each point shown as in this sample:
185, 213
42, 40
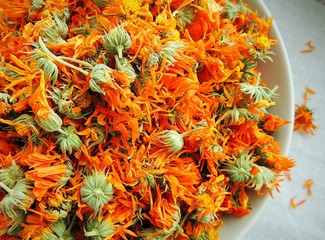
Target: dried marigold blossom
304, 120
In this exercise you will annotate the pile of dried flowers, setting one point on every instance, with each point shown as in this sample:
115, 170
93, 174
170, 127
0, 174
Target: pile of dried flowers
132, 119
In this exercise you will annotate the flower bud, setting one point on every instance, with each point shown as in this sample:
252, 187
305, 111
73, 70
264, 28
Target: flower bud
59, 230
99, 230
117, 41
68, 140
173, 140
185, 16
50, 69
240, 169
97, 191
11, 175
100, 75
17, 197
48, 120
24, 123
264, 176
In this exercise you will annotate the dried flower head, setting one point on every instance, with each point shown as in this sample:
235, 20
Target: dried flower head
99, 76
185, 16
26, 124
97, 191
264, 177
173, 140
171, 51
240, 169
17, 197
258, 92
304, 119
50, 69
232, 10
15, 226
49, 121
117, 41
58, 231
5, 103
65, 103
237, 115
99, 230
68, 140
36, 5
11, 175
56, 31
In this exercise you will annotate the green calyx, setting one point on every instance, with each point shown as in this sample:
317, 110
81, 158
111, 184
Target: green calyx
117, 41
98, 230
11, 175
68, 140
97, 191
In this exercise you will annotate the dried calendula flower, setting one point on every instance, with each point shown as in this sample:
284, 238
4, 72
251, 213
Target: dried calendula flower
174, 140
11, 175
97, 191
66, 103
171, 51
36, 5
263, 177
304, 119
25, 123
262, 42
50, 69
232, 10
16, 221
117, 41
100, 75
237, 115
240, 169
185, 16
18, 196
56, 30
5, 103
49, 121
96, 108
258, 92
58, 231
68, 140
99, 229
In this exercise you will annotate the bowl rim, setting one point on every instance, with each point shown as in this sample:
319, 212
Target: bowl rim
234, 227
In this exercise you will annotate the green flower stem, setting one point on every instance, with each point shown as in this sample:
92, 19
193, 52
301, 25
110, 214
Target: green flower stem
58, 59
86, 64
119, 50
118, 62
191, 131
8, 190
68, 230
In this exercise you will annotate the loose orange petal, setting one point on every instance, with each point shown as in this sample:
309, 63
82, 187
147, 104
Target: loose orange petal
308, 185
310, 48
295, 205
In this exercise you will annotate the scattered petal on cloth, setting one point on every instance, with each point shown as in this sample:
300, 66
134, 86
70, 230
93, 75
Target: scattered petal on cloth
300, 21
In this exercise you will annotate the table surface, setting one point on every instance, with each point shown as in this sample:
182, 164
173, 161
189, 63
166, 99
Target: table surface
300, 21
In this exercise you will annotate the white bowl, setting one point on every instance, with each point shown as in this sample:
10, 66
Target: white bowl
274, 73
